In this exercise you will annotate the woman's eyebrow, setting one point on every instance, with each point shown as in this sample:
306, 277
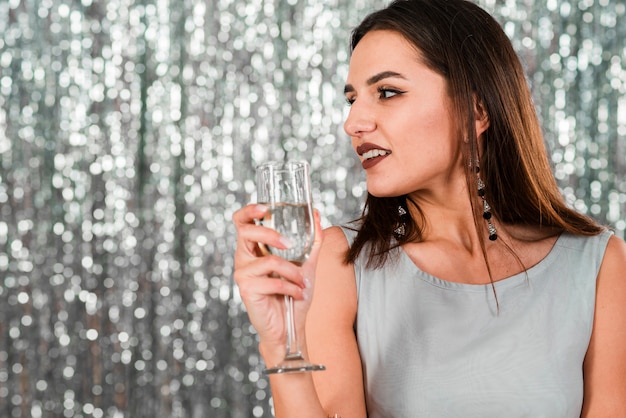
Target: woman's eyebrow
375, 79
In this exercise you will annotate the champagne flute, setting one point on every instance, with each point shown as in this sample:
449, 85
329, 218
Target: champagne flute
285, 188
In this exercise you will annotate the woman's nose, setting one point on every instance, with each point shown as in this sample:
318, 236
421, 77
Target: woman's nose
358, 122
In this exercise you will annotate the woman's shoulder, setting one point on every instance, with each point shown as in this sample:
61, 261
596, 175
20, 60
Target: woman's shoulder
335, 246
336, 239
615, 257
343, 234
338, 232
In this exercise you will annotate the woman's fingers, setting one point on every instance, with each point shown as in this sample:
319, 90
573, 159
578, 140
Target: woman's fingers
253, 291
245, 220
250, 234
253, 234
248, 214
270, 275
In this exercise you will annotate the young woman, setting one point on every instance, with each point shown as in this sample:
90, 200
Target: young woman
468, 288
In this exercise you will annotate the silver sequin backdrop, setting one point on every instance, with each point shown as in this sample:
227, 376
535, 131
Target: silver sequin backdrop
129, 130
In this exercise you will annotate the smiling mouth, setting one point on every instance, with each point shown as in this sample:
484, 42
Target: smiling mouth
374, 153
373, 156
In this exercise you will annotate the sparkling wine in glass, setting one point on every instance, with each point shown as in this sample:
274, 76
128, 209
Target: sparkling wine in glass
285, 188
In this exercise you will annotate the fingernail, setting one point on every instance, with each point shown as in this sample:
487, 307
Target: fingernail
260, 208
286, 242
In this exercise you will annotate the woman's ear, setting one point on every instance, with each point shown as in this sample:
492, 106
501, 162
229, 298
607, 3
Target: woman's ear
481, 117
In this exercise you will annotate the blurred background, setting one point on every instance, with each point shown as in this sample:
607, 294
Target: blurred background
129, 132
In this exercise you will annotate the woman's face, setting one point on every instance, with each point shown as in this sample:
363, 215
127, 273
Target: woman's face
400, 118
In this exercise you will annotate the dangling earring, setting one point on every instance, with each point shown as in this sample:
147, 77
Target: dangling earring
486, 208
401, 228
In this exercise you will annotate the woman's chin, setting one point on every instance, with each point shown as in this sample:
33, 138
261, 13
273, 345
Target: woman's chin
382, 193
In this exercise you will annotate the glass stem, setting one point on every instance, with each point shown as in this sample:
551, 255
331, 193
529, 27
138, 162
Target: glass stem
293, 349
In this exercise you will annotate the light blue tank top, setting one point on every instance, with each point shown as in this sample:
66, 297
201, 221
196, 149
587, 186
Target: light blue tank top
432, 348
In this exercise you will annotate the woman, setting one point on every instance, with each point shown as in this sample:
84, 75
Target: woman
468, 288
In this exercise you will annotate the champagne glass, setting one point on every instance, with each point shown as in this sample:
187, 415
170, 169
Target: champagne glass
285, 188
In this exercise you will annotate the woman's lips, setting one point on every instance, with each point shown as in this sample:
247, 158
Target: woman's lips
371, 154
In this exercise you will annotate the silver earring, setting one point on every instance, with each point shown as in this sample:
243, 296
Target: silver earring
401, 228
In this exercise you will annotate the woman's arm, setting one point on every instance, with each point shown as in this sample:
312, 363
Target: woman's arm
605, 362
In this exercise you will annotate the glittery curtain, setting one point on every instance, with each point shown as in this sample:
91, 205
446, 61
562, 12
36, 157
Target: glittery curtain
129, 133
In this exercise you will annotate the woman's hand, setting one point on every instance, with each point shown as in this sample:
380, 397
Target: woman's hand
263, 280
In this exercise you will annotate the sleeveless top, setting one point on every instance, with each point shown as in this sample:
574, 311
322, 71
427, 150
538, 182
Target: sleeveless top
433, 348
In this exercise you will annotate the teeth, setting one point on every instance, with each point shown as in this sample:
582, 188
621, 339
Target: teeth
374, 153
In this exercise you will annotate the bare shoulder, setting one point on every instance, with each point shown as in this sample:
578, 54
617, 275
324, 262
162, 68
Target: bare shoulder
605, 363
611, 284
335, 240
615, 255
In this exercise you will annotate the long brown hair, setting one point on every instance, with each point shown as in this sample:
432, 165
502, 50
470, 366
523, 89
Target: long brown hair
463, 43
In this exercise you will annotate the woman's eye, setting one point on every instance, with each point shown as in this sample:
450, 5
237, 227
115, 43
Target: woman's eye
349, 101
386, 93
